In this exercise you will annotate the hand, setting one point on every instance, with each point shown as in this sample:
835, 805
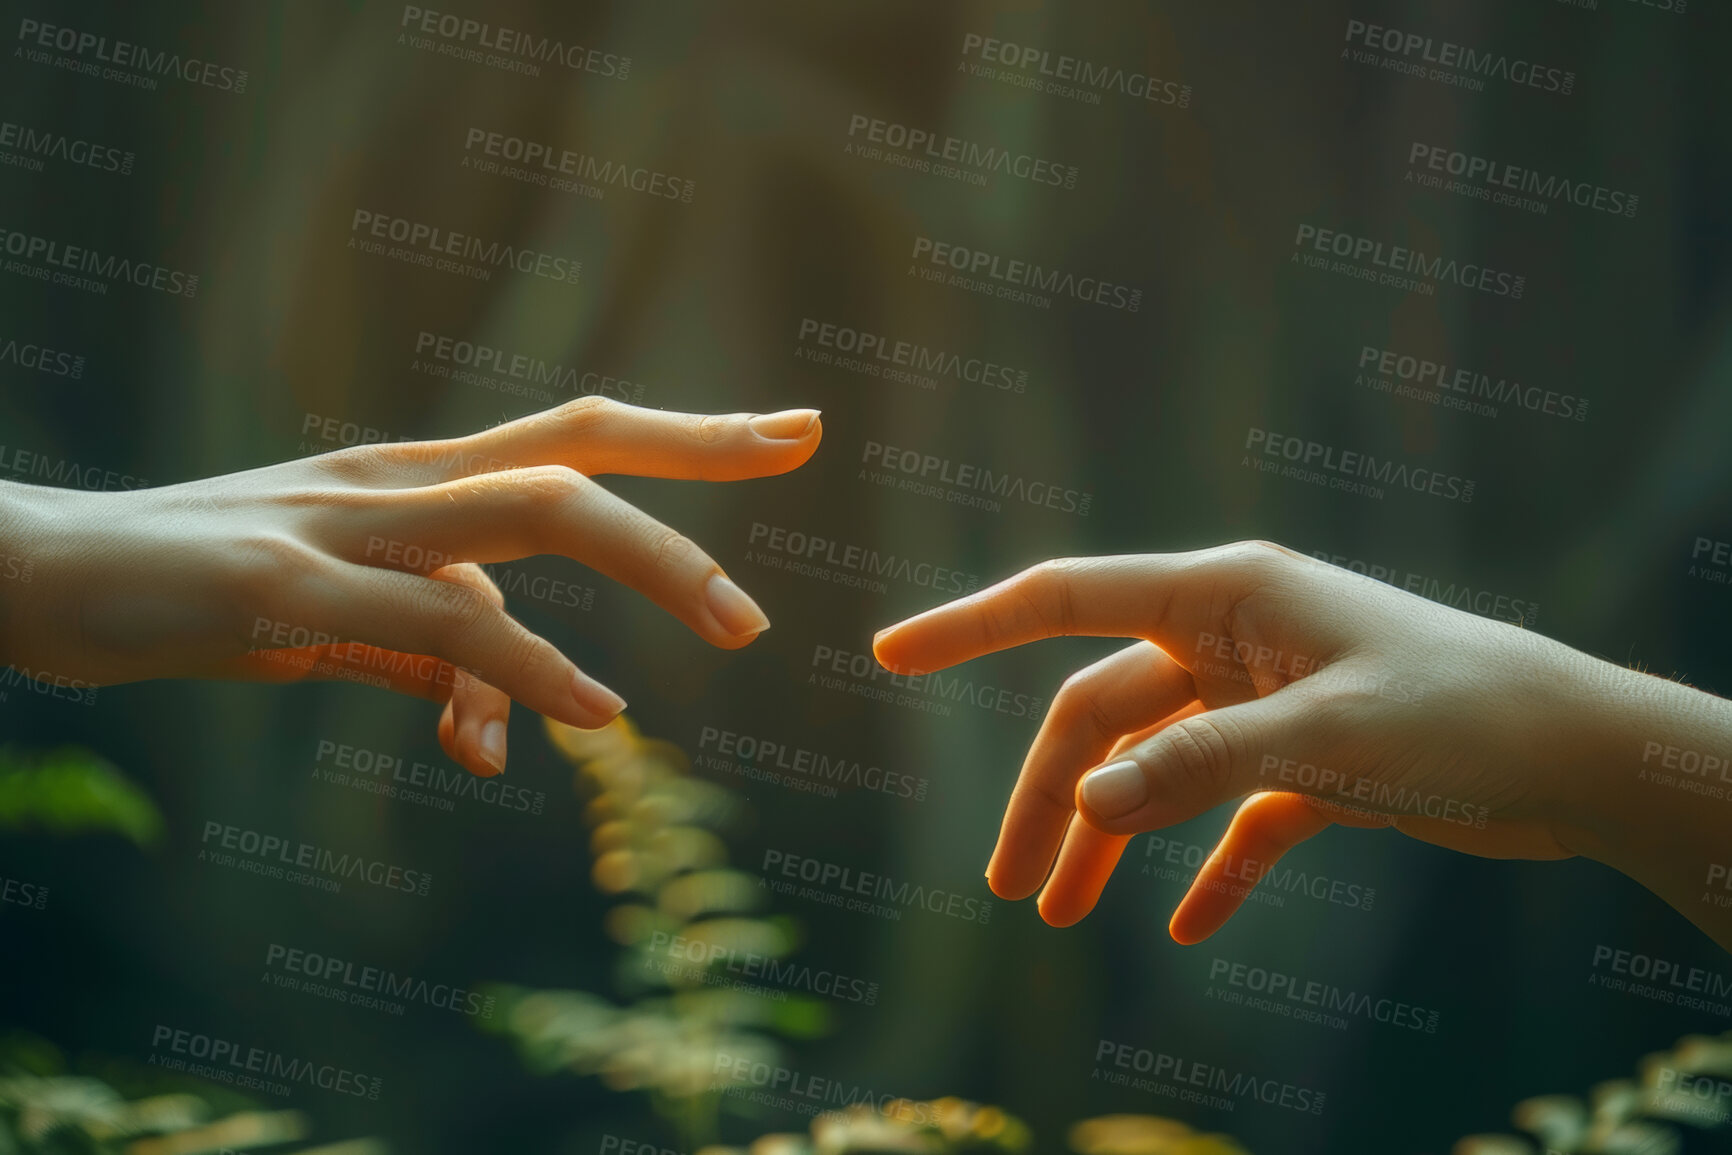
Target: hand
1318, 696
362, 563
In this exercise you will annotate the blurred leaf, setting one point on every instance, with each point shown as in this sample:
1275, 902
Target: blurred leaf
1132, 1135
1492, 1145
72, 790
1560, 1121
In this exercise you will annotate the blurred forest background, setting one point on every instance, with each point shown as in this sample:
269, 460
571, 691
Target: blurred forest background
701, 304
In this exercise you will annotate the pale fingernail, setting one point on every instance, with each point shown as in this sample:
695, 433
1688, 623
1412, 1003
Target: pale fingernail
788, 425
738, 613
1115, 791
594, 698
491, 746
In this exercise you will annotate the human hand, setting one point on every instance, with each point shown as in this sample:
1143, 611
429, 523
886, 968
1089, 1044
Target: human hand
1316, 695
363, 563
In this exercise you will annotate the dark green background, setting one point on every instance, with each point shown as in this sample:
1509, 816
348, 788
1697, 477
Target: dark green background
702, 304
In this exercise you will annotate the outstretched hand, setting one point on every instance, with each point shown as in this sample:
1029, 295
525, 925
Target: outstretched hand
365, 563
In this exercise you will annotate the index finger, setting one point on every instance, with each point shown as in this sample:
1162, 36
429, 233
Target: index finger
1171, 600
597, 435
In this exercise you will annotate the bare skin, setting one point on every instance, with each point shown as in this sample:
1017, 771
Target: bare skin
1312, 697
367, 562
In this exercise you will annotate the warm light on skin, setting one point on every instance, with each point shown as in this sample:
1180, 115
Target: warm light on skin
364, 564
1522, 740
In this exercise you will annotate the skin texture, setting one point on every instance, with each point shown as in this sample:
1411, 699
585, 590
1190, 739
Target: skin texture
1315, 697
365, 562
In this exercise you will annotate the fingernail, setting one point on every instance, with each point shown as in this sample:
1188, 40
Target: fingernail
491, 747
1115, 791
738, 613
788, 425
594, 698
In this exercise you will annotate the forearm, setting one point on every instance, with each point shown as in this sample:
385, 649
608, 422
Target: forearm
1651, 792
40, 578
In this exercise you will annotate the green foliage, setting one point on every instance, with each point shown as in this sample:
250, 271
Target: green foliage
74, 791
656, 842
46, 1111
947, 1126
1687, 1085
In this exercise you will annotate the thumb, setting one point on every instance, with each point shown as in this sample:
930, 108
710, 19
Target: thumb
1195, 764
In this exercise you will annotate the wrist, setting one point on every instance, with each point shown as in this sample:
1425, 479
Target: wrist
27, 518
1648, 783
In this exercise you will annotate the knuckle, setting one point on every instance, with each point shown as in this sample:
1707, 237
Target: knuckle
587, 414
359, 464
469, 574
271, 560
1079, 701
545, 485
1203, 750
521, 659
457, 608
1263, 559
671, 550
1042, 793
266, 575
1044, 592
714, 428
